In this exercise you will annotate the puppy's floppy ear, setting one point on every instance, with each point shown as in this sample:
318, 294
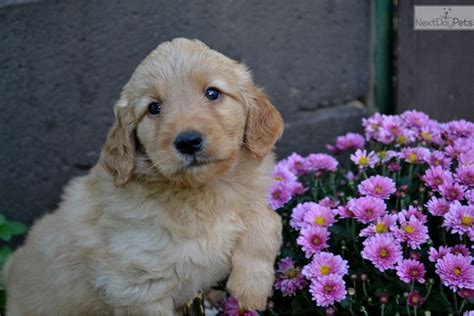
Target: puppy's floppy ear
264, 124
118, 153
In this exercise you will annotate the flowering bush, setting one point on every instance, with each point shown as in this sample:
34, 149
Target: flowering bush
388, 231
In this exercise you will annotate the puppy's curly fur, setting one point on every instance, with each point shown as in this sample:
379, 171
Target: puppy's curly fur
148, 227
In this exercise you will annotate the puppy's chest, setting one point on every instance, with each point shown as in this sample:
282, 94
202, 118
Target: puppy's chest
198, 250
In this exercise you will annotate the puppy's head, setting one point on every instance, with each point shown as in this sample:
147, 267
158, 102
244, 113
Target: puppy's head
187, 114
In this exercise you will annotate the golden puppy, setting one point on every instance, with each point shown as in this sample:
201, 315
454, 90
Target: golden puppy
176, 202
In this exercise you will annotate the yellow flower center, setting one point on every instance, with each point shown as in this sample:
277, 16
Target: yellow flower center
401, 139
324, 270
466, 220
319, 221
316, 241
380, 228
439, 181
383, 253
363, 161
412, 157
426, 136
276, 195
381, 154
327, 289
414, 299
408, 229
378, 190
413, 272
278, 179
457, 271
293, 273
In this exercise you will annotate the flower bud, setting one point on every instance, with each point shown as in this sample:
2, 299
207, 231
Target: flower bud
330, 311
351, 291
364, 277
353, 277
384, 299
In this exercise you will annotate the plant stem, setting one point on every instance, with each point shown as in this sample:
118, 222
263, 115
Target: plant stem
428, 292
382, 309
462, 306
455, 300
408, 309
414, 310
410, 175
364, 289
443, 295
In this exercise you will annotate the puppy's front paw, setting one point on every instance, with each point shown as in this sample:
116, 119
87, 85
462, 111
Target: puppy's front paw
251, 289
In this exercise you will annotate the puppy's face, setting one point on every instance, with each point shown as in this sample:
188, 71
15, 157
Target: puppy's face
190, 111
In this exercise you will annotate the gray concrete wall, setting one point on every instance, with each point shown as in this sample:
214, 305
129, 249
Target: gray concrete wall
63, 63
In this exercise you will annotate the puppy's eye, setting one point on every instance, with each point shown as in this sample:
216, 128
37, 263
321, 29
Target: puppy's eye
154, 108
212, 94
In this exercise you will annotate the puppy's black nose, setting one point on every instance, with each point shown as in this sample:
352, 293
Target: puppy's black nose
189, 142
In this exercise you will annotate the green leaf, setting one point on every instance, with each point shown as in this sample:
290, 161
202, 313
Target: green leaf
4, 253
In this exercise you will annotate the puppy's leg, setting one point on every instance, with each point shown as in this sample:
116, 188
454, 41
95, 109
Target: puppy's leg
252, 275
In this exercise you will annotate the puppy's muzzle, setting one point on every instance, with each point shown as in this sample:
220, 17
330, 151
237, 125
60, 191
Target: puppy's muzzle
189, 143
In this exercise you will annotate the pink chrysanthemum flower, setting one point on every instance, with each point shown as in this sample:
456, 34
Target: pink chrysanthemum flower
452, 191
344, 212
325, 263
350, 141
461, 149
467, 158
386, 156
407, 136
415, 299
372, 125
437, 206
436, 176
382, 225
459, 219
434, 255
232, 308
456, 272
469, 195
281, 173
279, 195
367, 209
411, 231
327, 290
393, 125
460, 128
415, 155
327, 202
383, 251
296, 164
320, 162
319, 215
410, 270
377, 186
364, 160
289, 278
465, 175
413, 211
415, 119
438, 159
466, 294
297, 215
460, 250
313, 239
